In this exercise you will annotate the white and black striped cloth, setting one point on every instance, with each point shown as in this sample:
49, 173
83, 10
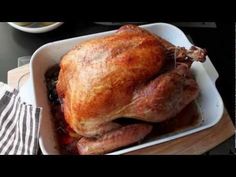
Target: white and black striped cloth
19, 124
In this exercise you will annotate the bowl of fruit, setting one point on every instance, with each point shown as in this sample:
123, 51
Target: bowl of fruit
35, 27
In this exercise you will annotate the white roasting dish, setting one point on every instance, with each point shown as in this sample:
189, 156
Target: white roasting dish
210, 102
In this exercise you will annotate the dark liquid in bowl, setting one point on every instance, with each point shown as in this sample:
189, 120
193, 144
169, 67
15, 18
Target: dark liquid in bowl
189, 117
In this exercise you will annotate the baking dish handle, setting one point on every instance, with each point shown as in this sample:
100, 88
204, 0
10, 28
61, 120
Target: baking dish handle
211, 71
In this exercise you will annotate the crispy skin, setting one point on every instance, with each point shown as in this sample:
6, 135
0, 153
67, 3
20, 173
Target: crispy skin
120, 75
98, 77
131, 74
113, 140
164, 97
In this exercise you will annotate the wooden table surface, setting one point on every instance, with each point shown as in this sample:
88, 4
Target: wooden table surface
197, 143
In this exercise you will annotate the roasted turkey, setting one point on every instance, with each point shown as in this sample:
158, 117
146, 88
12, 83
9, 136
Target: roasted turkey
133, 74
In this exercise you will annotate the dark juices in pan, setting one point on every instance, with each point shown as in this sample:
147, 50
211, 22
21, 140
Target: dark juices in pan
188, 118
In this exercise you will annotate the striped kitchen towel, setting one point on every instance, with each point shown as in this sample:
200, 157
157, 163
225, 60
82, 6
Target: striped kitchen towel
19, 124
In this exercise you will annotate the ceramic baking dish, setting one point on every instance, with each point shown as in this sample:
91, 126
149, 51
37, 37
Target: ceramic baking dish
209, 101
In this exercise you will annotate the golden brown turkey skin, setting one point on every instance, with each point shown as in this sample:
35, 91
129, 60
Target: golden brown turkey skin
115, 139
121, 75
98, 77
164, 97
